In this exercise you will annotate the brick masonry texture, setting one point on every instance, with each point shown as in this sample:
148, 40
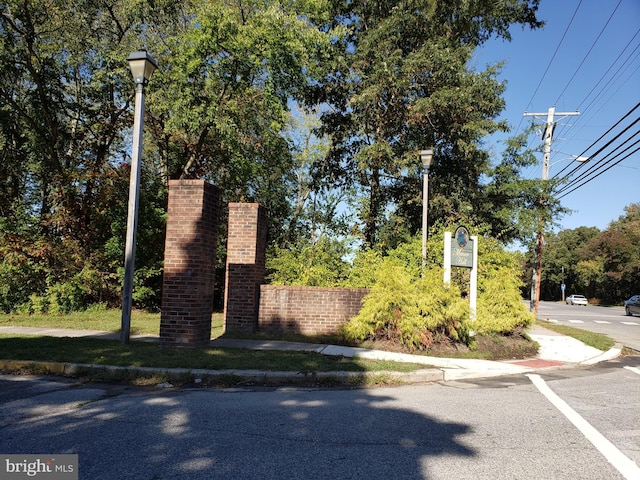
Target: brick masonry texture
246, 253
307, 310
189, 263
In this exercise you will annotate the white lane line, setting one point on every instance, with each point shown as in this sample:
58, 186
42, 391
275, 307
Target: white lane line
576, 321
634, 369
615, 457
601, 321
630, 323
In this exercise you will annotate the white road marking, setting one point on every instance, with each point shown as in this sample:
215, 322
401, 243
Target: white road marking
601, 321
614, 456
630, 323
576, 321
634, 369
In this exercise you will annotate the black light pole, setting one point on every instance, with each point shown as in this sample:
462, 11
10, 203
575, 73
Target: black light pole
142, 67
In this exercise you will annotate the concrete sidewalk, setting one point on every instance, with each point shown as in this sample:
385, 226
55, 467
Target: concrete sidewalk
555, 351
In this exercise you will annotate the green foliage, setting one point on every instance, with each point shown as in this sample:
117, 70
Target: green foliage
500, 308
393, 77
315, 265
418, 310
598, 264
414, 311
17, 282
363, 269
402, 80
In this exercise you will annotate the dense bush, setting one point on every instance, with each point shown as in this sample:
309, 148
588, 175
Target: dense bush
500, 308
420, 310
417, 311
315, 265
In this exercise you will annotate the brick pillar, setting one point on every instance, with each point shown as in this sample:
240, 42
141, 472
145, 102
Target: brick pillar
246, 247
189, 263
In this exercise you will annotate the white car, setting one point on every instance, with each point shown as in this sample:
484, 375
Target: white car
577, 300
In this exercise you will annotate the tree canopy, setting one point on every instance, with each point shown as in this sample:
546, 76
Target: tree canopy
387, 78
602, 265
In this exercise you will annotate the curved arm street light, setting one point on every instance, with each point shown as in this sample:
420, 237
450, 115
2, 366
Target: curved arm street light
536, 279
142, 67
575, 158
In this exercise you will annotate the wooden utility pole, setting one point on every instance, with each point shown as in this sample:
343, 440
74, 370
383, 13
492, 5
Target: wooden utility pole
548, 136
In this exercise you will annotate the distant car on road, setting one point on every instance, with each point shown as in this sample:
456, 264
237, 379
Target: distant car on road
632, 305
577, 300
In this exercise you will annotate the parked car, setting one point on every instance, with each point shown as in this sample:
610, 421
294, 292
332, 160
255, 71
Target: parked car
632, 305
577, 300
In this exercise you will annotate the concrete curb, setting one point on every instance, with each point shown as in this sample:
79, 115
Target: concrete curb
226, 377
613, 352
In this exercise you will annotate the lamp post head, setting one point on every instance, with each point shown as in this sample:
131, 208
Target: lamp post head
426, 156
142, 65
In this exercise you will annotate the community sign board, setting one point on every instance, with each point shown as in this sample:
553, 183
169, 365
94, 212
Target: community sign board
461, 249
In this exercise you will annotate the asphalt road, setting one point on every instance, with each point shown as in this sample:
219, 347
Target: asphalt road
610, 321
499, 428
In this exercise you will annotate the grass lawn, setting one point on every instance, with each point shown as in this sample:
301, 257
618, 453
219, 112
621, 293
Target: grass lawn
100, 319
143, 354
596, 340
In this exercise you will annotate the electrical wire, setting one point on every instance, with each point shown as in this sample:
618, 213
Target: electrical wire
622, 119
546, 70
588, 53
606, 170
606, 160
607, 87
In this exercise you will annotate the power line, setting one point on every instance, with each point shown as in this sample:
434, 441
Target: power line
587, 54
609, 69
566, 30
605, 161
610, 167
607, 87
630, 112
554, 54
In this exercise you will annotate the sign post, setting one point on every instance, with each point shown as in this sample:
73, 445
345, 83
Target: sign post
462, 251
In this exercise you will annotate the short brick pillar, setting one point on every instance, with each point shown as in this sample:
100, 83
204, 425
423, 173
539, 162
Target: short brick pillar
189, 263
246, 249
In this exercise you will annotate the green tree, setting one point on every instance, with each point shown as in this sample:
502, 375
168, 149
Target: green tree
401, 81
63, 110
618, 250
215, 110
236, 66
562, 256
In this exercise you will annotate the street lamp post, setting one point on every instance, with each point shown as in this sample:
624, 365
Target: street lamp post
425, 156
142, 67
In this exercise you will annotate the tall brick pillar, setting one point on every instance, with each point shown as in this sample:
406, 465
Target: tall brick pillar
246, 247
189, 263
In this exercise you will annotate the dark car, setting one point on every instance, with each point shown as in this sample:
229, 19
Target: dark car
632, 306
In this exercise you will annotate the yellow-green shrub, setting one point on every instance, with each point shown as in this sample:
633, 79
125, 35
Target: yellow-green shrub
413, 311
417, 311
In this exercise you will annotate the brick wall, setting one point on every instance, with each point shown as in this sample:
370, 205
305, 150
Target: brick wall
189, 263
307, 310
246, 248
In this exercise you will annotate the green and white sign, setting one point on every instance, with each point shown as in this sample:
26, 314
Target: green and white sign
461, 249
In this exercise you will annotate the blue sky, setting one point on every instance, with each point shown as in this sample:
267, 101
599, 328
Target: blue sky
586, 58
